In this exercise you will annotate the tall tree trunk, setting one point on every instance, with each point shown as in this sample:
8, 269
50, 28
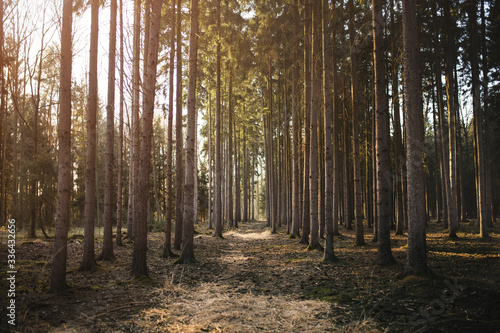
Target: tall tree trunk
179, 174
139, 255
218, 140
452, 110
245, 176
134, 174
329, 255
59, 253
88, 262
167, 245
313, 152
187, 255
210, 177
478, 122
107, 244
306, 222
119, 203
229, 171
295, 127
358, 194
398, 145
382, 140
416, 254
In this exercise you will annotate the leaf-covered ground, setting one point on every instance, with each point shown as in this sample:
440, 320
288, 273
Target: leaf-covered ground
255, 281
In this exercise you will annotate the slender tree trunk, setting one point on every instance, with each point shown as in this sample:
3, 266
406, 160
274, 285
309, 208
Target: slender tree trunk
107, 244
313, 152
119, 203
229, 171
306, 222
187, 255
3, 215
330, 171
179, 174
295, 127
416, 254
358, 194
218, 140
384, 183
478, 121
245, 176
167, 245
452, 110
210, 177
139, 255
59, 254
88, 262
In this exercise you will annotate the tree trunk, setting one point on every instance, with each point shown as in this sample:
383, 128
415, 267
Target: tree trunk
306, 228
59, 256
329, 255
313, 152
119, 203
167, 245
295, 127
88, 262
218, 140
358, 194
416, 254
478, 122
229, 171
107, 244
452, 110
179, 174
139, 255
187, 255
384, 183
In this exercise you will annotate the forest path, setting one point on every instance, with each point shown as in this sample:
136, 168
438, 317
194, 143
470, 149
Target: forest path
255, 281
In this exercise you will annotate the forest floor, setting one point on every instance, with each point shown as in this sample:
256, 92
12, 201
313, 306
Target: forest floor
255, 281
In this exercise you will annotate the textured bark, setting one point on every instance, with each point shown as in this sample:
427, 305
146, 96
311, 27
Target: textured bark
218, 142
358, 194
384, 181
229, 170
187, 255
329, 254
119, 199
88, 262
295, 127
416, 254
107, 243
478, 122
313, 152
307, 102
452, 111
167, 244
59, 254
179, 174
139, 255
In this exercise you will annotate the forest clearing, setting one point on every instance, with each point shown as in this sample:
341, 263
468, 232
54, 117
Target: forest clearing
255, 281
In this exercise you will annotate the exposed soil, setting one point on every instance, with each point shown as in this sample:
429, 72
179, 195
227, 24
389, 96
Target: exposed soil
255, 281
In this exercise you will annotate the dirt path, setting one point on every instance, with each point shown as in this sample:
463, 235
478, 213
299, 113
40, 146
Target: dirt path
254, 281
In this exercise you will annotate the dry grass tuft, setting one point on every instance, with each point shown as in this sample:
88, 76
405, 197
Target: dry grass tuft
214, 308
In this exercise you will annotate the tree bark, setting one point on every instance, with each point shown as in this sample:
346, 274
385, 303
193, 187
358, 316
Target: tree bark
88, 262
416, 254
119, 203
358, 194
167, 244
179, 174
59, 254
384, 182
306, 225
187, 255
139, 255
478, 121
218, 140
107, 244
295, 127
